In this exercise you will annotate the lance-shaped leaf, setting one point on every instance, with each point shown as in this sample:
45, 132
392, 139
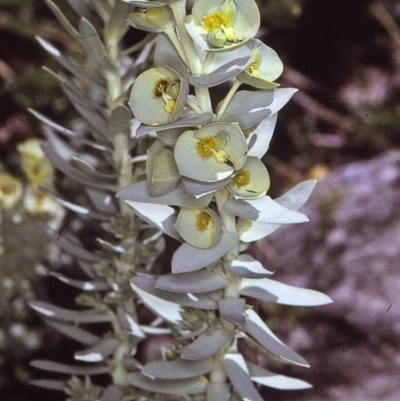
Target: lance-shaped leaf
55, 312
76, 333
250, 108
81, 9
212, 153
65, 23
188, 258
266, 66
264, 210
294, 199
162, 217
274, 380
238, 373
139, 192
297, 196
207, 344
221, 25
233, 309
169, 311
222, 66
54, 125
72, 206
57, 385
119, 121
129, 324
72, 248
148, 284
70, 369
188, 119
68, 64
200, 281
272, 291
218, 392
261, 332
162, 172
92, 115
259, 137
94, 47
83, 285
158, 96
99, 352
251, 181
248, 267
178, 369
101, 200
96, 180
183, 386
199, 227
114, 30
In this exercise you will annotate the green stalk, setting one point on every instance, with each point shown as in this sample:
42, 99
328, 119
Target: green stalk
227, 99
193, 61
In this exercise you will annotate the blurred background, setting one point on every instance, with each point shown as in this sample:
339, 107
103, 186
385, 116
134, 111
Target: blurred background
342, 127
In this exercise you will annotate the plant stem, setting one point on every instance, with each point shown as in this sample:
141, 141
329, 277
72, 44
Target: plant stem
193, 61
227, 99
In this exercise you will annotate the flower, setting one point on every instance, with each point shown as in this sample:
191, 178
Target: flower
223, 24
34, 163
212, 153
155, 19
37, 202
10, 191
251, 181
265, 67
158, 96
199, 227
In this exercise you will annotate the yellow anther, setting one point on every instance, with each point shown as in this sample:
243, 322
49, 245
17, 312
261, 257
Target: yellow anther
214, 21
241, 179
170, 106
204, 221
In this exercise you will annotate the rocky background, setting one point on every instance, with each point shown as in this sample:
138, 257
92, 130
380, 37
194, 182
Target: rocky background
342, 127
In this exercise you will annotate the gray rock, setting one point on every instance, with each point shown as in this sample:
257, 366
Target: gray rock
349, 250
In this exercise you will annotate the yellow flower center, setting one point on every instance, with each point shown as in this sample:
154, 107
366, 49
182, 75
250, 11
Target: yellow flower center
253, 67
241, 179
204, 222
169, 92
208, 147
214, 21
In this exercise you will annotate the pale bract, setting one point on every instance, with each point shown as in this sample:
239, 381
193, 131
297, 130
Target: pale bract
155, 19
162, 172
213, 153
221, 25
265, 68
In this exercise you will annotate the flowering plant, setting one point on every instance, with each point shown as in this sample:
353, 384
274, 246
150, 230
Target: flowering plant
205, 186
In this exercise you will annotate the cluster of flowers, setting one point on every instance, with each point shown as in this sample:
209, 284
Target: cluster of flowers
39, 174
207, 188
